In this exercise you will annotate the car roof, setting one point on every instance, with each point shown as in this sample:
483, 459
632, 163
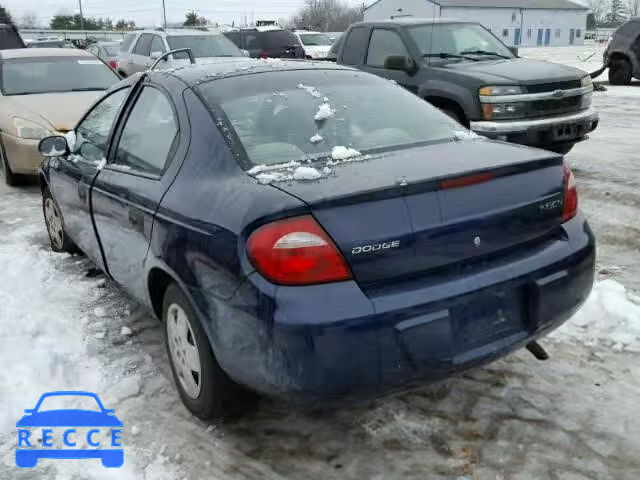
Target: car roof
105, 44
309, 31
237, 66
408, 21
182, 31
42, 52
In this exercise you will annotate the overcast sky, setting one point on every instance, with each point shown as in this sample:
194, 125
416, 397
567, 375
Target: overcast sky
149, 12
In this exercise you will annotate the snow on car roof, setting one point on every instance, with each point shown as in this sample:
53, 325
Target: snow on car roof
200, 73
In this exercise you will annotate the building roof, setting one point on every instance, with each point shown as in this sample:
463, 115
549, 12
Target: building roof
524, 4
43, 53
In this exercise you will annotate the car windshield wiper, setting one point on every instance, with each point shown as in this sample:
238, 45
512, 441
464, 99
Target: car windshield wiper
449, 55
88, 89
483, 52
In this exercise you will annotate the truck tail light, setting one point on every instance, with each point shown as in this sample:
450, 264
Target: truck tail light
296, 251
570, 209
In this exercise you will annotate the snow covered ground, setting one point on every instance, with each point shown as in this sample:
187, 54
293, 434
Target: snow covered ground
572, 417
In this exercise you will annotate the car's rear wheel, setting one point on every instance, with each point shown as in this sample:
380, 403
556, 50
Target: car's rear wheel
58, 238
10, 178
204, 388
620, 72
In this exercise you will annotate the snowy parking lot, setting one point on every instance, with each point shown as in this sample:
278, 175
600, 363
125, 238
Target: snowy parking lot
575, 416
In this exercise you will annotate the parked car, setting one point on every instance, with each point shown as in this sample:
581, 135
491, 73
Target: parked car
9, 37
43, 91
315, 44
107, 52
622, 54
464, 70
333, 36
323, 281
49, 42
139, 50
267, 42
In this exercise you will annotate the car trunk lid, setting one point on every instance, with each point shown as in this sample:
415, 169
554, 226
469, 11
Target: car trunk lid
416, 211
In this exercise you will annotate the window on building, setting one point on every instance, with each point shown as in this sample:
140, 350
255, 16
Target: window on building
505, 32
578, 33
529, 33
558, 31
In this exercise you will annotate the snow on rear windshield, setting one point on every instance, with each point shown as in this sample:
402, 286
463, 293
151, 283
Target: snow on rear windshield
281, 117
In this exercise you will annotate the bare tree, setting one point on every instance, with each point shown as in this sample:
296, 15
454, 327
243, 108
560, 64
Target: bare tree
326, 16
600, 9
634, 8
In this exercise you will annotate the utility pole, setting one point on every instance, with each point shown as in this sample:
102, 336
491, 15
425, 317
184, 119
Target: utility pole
81, 17
164, 15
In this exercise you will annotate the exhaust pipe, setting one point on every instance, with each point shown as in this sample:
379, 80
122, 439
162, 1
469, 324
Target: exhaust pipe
537, 351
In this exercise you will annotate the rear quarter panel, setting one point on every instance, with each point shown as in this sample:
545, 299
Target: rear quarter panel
202, 222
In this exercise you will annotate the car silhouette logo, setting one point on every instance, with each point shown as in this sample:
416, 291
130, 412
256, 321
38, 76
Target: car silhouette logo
27, 457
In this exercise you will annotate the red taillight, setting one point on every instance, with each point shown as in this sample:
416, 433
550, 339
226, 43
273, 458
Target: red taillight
113, 64
570, 209
296, 251
466, 181
264, 55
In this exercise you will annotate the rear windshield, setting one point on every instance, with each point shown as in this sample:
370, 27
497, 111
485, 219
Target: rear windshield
280, 117
26, 76
112, 50
204, 46
278, 39
315, 39
52, 44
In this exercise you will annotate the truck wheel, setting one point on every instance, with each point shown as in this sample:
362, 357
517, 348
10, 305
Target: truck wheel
620, 72
203, 386
58, 238
10, 178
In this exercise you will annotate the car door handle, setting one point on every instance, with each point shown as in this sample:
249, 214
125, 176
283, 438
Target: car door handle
136, 218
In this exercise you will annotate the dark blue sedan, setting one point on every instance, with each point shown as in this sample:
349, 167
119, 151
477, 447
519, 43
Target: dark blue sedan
314, 232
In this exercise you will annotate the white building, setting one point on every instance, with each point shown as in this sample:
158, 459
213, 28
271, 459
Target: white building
515, 22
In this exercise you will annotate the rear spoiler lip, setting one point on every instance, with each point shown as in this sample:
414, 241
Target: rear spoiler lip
432, 184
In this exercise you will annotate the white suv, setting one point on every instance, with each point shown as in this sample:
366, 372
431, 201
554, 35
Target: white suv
315, 44
139, 50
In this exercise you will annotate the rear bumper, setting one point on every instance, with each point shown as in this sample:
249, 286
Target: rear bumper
331, 343
22, 154
541, 131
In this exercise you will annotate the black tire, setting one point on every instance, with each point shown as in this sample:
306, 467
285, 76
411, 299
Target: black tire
59, 240
10, 178
217, 393
620, 72
562, 149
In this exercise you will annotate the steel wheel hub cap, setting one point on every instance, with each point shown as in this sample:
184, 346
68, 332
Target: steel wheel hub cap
184, 351
54, 223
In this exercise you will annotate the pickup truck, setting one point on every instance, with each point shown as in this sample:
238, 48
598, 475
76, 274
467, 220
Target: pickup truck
464, 70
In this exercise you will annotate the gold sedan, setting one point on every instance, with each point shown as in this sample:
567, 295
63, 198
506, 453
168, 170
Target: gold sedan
44, 91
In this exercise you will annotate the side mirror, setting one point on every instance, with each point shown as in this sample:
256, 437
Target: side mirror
29, 410
155, 55
246, 53
53, 146
513, 50
401, 63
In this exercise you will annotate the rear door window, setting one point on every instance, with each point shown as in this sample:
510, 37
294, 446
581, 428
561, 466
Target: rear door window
148, 135
279, 39
157, 45
126, 43
355, 46
143, 47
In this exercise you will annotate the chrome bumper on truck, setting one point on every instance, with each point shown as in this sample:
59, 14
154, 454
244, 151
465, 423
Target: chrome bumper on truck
571, 127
